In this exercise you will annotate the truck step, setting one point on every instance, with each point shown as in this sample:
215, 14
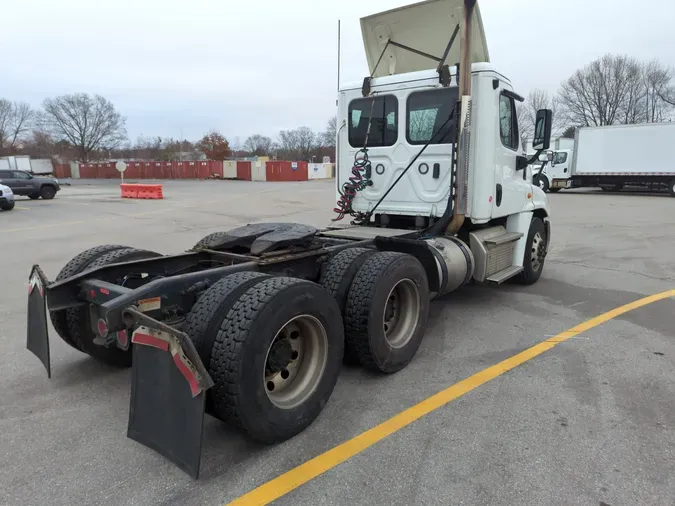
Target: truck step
503, 275
504, 239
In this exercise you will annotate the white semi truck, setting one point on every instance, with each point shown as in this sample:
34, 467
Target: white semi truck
251, 325
613, 157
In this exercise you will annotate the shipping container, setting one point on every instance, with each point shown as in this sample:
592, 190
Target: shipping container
259, 170
61, 170
286, 171
319, 171
244, 171
202, 170
229, 169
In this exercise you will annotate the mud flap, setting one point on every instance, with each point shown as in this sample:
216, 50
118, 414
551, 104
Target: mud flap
37, 338
168, 392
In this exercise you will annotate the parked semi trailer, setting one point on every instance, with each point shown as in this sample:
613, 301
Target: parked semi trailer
251, 325
613, 157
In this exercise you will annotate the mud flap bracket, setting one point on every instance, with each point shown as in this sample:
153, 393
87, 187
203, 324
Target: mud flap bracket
168, 392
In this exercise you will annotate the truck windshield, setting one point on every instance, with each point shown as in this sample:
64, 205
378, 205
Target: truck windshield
384, 121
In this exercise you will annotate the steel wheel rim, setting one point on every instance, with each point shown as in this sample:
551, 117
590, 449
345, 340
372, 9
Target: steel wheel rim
401, 313
295, 361
541, 183
537, 251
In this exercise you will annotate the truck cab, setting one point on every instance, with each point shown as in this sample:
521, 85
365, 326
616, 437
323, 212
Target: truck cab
404, 111
554, 175
420, 141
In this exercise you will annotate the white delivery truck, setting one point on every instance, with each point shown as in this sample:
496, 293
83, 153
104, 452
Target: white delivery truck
612, 157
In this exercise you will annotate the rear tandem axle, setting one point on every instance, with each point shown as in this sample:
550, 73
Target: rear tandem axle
250, 326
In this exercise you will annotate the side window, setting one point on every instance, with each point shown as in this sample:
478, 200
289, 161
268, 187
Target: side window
383, 123
508, 122
19, 175
6, 174
560, 157
426, 113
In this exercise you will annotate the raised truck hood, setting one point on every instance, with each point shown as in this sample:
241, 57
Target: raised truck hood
425, 26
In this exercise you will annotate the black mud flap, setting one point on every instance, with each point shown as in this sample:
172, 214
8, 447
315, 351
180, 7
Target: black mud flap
37, 339
168, 392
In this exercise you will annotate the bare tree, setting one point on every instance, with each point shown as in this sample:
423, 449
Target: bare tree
604, 92
306, 142
658, 90
258, 145
328, 137
527, 113
15, 121
39, 144
88, 123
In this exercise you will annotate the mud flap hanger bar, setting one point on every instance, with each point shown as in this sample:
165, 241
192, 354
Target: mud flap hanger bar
442, 69
168, 392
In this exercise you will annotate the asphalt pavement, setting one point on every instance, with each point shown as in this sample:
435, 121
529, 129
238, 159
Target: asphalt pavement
591, 421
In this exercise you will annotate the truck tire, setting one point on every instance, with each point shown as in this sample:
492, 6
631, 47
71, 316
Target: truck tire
204, 319
34, 196
337, 277
671, 188
554, 190
208, 241
47, 192
386, 311
542, 182
77, 265
535, 253
77, 319
277, 358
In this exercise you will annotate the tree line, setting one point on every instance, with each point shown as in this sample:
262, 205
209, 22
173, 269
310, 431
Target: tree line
614, 89
83, 127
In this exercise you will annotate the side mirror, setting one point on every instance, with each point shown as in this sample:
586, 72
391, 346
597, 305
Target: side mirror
549, 156
542, 129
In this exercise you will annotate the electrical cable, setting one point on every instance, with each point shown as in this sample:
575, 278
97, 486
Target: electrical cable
356, 182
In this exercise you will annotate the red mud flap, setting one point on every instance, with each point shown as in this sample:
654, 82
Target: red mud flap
37, 338
168, 392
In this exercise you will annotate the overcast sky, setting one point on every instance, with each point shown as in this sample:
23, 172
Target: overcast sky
258, 66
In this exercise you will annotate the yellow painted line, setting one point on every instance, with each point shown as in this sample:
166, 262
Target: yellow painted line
223, 199
300, 475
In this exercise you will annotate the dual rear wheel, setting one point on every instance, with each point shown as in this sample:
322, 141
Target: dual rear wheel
274, 345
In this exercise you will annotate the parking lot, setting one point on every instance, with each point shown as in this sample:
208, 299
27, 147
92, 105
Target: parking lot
592, 421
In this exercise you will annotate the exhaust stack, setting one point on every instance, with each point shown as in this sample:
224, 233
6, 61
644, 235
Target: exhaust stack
464, 134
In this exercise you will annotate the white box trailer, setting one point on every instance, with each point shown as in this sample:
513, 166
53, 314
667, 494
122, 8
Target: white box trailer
41, 166
616, 156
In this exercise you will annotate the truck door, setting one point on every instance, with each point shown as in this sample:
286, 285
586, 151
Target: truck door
22, 182
511, 189
559, 168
